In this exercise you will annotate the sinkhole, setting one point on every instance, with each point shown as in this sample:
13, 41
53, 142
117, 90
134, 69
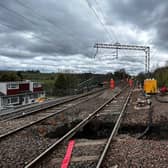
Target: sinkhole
95, 130
158, 132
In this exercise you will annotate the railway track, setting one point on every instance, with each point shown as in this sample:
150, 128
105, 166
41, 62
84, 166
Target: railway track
87, 153
20, 122
28, 110
19, 146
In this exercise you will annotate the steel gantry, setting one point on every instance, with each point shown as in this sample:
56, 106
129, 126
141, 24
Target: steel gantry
118, 46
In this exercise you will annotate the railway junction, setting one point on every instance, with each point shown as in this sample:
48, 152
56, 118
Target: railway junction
119, 127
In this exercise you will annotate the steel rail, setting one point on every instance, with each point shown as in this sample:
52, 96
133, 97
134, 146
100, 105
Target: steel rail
42, 119
114, 132
70, 133
45, 106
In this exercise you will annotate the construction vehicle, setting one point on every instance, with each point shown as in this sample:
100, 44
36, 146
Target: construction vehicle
150, 86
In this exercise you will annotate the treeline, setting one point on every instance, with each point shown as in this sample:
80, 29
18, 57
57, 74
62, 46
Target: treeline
60, 84
66, 84
160, 74
10, 76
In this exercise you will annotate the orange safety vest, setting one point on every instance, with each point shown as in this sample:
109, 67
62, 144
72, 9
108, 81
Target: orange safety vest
112, 84
130, 82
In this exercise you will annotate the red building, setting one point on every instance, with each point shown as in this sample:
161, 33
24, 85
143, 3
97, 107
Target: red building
19, 93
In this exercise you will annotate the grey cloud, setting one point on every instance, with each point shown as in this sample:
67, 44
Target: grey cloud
13, 53
58, 30
61, 34
144, 15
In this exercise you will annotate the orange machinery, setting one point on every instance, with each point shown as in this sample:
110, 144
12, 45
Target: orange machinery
150, 86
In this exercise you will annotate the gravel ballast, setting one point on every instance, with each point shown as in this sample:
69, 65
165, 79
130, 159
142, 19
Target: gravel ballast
126, 151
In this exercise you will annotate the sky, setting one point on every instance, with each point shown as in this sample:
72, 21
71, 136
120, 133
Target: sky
59, 35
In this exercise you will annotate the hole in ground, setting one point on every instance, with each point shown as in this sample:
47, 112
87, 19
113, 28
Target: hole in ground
95, 130
61, 130
158, 132
132, 130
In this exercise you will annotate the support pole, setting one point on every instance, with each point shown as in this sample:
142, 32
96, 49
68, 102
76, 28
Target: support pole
148, 59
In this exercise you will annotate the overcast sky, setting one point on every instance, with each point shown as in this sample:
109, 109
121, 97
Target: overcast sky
55, 35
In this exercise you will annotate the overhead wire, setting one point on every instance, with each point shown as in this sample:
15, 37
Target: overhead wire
115, 36
98, 18
101, 11
44, 18
33, 23
24, 18
70, 33
16, 13
102, 23
37, 37
36, 14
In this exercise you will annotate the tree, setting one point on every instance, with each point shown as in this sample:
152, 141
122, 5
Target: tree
60, 82
60, 85
121, 74
161, 74
141, 77
19, 74
109, 76
72, 81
